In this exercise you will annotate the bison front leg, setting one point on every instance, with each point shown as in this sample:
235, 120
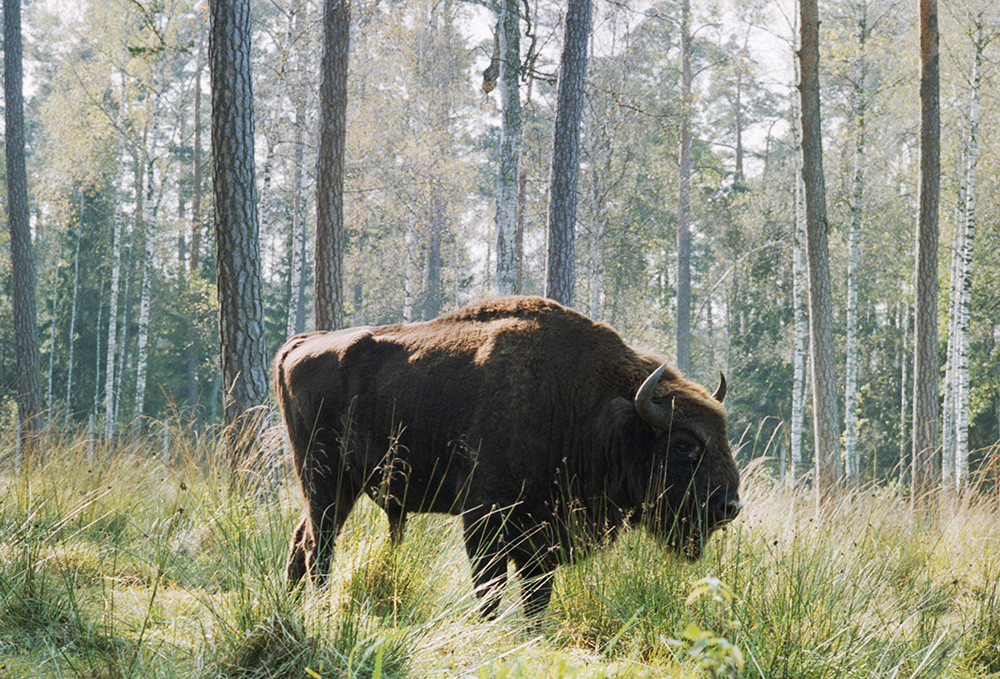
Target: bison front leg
484, 545
536, 582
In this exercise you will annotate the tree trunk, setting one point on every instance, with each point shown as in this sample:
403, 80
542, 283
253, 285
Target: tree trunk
241, 309
508, 28
560, 276
297, 297
194, 256
925, 366
851, 455
684, 199
72, 314
111, 365
800, 310
21, 250
329, 252
824, 384
435, 229
144, 173
966, 262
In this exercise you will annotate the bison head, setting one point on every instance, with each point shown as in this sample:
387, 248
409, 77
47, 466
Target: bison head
681, 471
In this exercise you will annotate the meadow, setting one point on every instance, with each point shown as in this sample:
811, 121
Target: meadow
122, 563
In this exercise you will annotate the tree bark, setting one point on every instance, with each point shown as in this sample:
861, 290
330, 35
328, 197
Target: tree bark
194, 251
22, 253
800, 309
824, 384
684, 199
964, 286
72, 313
508, 28
851, 455
329, 252
241, 310
560, 273
925, 366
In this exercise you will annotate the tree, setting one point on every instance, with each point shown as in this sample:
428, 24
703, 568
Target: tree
857, 95
925, 366
684, 199
22, 252
509, 45
559, 277
329, 253
241, 313
824, 381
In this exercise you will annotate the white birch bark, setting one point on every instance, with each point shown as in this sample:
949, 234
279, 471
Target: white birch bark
97, 351
52, 339
72, 318
142, 350
110, 367
966, 263
948, 409
851, 456
800, 351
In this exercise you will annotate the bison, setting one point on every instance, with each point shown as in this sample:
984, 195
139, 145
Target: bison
539, 426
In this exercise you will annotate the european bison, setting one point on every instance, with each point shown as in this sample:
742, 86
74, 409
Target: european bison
539, 426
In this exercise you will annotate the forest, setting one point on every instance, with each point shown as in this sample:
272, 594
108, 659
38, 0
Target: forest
689, 238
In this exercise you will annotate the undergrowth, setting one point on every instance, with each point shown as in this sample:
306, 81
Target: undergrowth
129, 567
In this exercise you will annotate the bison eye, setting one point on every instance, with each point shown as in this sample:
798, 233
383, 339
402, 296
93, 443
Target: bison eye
685, 445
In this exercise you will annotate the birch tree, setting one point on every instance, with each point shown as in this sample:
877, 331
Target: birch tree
955, 459
684, 198
858, 104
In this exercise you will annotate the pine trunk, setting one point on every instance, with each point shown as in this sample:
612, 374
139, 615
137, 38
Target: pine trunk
238, 268
925, 366
329, 253
21, 250
508, 28
684, 199
824, 384
560, 274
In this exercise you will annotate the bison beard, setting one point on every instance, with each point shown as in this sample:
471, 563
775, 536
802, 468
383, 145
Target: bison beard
540, 427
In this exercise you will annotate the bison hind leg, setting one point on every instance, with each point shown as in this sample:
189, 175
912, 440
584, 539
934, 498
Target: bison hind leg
397, 526
484, 545
295, 566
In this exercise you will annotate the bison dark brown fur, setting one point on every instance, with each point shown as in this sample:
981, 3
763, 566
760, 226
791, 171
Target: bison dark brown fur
524, 417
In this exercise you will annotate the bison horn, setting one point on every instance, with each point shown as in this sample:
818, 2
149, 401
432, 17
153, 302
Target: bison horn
720, 392
653, 414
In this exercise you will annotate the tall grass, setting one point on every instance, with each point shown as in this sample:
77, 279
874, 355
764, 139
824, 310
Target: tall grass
130, 567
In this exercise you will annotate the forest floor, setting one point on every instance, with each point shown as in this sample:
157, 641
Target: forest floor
128, 567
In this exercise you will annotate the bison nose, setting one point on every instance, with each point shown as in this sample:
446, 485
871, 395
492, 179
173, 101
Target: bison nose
723, 508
